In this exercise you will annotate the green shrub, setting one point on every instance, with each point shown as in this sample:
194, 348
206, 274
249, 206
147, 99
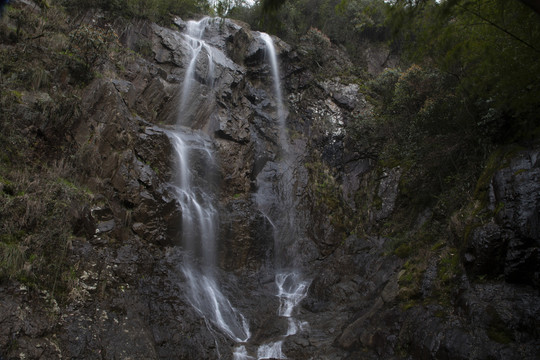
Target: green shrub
37, 221
89, 48
144, 47
12, 258
404, 250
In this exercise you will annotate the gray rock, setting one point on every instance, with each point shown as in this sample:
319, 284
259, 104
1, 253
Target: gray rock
351, 178
344, 95
516, 189
486, 252
105, 226
515, 197
387, 192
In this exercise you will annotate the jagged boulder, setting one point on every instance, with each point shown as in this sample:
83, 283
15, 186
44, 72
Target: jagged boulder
132, 160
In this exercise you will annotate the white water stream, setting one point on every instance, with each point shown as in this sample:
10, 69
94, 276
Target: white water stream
193, 35
280, 212
195, 187
281, 114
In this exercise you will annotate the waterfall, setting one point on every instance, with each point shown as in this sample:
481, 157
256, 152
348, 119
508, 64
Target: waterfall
277, 204
271, 351
195, 187
281, 115
193, 35
291, 290
240, 353
199, 216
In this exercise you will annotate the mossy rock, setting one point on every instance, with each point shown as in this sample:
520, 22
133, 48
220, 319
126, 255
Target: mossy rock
404, 250
497, 161
497, 330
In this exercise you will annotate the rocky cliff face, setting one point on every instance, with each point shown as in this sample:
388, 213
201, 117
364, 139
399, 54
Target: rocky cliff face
127, 293
366, 301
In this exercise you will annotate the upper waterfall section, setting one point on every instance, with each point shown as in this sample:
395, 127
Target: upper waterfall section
230, 82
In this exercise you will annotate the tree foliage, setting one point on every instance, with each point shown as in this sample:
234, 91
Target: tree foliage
490, 47
154, 10
89, 48
346, 22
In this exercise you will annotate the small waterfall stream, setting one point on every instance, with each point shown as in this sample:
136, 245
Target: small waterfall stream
281, 114
280, 211
193, 35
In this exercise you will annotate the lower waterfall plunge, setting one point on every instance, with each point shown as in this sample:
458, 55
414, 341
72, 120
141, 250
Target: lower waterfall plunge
199, 231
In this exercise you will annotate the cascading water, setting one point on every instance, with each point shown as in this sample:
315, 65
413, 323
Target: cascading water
278, 205
195, 186
281, 115
271, 351
199, 216
193, 35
